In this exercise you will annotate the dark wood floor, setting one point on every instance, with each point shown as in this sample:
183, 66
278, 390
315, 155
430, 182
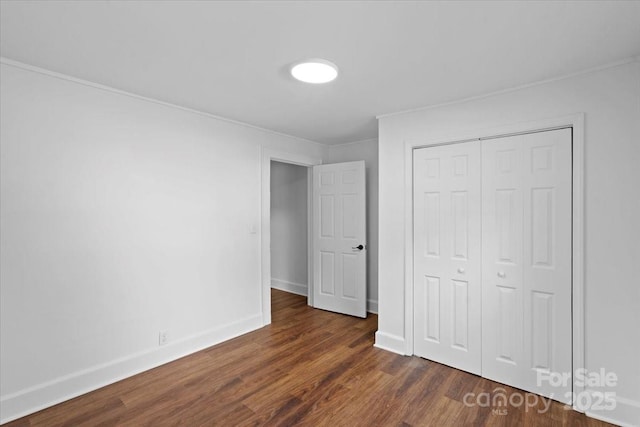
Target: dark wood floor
309, 367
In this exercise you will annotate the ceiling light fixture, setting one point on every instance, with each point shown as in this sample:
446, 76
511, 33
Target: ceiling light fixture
315, 71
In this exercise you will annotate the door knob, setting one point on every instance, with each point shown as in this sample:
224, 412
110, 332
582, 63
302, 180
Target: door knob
501, 274
359, 247
461, 270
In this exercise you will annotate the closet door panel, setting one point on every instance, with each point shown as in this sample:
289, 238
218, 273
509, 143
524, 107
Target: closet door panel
447, 261
526, 271
547, 255
502, 288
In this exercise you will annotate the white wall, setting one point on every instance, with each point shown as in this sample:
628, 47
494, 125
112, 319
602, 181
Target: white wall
120, 217
610, 99
289, 224
367, 151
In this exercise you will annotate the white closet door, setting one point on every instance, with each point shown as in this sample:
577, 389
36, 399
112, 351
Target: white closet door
447, 262
526, 269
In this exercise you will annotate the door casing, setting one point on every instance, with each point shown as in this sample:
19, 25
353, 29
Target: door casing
576, 123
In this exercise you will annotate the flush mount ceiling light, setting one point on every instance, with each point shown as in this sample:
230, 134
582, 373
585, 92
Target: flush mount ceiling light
315, 71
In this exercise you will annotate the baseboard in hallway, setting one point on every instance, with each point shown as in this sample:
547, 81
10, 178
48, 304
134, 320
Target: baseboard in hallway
301, 289
291, 287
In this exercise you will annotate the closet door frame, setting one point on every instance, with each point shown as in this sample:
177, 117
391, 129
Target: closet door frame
576, 123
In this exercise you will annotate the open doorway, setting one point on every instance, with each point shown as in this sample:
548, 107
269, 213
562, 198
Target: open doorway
339, 281
289, 226
306, 162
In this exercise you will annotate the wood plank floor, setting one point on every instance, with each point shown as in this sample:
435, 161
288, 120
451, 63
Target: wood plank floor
309, 367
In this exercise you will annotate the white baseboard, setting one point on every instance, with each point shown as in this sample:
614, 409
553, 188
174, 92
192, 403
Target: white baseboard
33, 399
372, 306
626, 413
300, 289
390, 342
294, 288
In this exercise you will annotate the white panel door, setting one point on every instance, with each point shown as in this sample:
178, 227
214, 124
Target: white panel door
339, 238
526, 269
447, 259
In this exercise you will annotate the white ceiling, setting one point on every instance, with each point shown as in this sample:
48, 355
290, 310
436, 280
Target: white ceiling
231, 58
